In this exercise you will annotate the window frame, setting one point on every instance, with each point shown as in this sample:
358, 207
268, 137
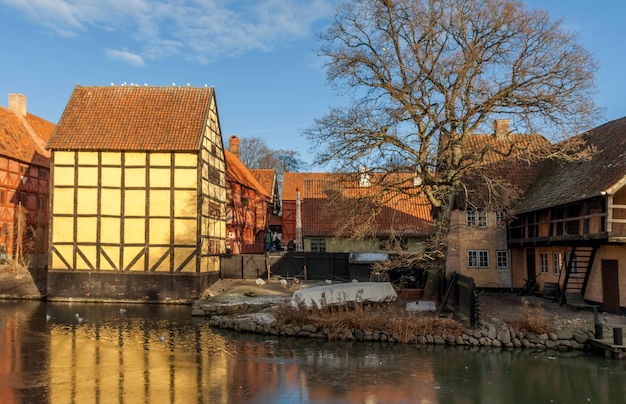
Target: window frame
478, 259
502, 259
544, 266
557, 262
318, 245
476, 218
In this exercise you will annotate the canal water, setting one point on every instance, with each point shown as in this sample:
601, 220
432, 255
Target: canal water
114, 353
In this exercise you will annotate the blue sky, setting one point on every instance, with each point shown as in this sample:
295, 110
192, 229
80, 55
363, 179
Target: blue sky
259, 55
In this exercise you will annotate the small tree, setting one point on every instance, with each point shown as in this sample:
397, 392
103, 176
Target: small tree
425, 75
255, 154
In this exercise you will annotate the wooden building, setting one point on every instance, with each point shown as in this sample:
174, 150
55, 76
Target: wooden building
138, 194
570, 226
352, 213
24, 188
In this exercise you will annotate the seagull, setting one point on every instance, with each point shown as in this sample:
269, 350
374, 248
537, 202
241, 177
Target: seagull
48, 317
122, 310
161, 338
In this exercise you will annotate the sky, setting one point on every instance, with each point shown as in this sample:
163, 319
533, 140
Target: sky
259, 55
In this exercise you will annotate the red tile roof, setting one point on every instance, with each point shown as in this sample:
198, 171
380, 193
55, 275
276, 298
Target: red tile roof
237, 172
133, 118
267, 179
334, 204
293, 181
24, 138
508, 163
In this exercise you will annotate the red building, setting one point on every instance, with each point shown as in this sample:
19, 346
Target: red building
247, 206
24, 174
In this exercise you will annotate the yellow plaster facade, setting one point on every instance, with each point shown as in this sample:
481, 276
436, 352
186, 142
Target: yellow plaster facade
139, 211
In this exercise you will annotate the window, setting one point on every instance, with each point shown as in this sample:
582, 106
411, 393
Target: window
214, 210
3, 196
557, 262
502, 258
573, 271
543, 262
470, 216
318, 245
478, 258
477, 218
501, 218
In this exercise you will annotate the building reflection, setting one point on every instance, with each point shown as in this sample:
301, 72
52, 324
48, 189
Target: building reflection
99, 353
23, 352
155, 358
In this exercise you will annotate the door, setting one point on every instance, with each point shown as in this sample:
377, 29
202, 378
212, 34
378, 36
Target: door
610, 286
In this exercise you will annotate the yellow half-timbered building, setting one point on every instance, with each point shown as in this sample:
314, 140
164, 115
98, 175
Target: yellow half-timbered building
138, 194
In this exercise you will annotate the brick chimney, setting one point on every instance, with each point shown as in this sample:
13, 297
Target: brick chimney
501, 129
17, 104
234, 146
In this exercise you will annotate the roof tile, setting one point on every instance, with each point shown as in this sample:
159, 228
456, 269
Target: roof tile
133, 118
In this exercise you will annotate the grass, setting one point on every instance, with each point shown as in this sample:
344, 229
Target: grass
386, 318
533, 319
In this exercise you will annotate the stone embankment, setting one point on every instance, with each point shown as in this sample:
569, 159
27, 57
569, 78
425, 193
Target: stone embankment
257, 317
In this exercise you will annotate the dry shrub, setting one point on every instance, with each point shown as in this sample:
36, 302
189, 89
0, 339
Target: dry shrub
534, 319
385, 318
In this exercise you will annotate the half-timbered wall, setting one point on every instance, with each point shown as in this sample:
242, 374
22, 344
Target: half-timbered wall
139, 211
245, 220
25, 185
212, 196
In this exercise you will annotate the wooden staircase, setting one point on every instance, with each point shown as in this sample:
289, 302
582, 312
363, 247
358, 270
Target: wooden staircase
577, 271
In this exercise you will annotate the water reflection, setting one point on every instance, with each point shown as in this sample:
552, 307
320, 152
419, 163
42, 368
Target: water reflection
100, 353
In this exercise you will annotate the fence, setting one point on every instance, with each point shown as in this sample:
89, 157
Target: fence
304, 265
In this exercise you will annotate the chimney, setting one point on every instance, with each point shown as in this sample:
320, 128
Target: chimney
501, 129
17, 104
234, 146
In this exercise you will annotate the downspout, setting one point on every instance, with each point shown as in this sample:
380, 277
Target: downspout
299, 246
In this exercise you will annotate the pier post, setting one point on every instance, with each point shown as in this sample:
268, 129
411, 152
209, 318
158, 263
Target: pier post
617, 336
599, 332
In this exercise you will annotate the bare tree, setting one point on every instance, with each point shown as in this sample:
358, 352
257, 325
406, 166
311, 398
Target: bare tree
426, 75
256, 154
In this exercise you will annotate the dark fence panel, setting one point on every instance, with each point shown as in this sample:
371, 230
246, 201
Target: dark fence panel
288, 264
242, 266
231, 266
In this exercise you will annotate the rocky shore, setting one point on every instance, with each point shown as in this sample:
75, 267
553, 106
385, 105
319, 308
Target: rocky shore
249, 309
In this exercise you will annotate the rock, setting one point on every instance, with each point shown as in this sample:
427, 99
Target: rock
564, 334
581, 338
504, 336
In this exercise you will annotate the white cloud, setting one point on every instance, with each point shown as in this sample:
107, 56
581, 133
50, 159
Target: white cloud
124, 56
202, 30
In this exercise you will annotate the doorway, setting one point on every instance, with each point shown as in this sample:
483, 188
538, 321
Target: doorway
610, 286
